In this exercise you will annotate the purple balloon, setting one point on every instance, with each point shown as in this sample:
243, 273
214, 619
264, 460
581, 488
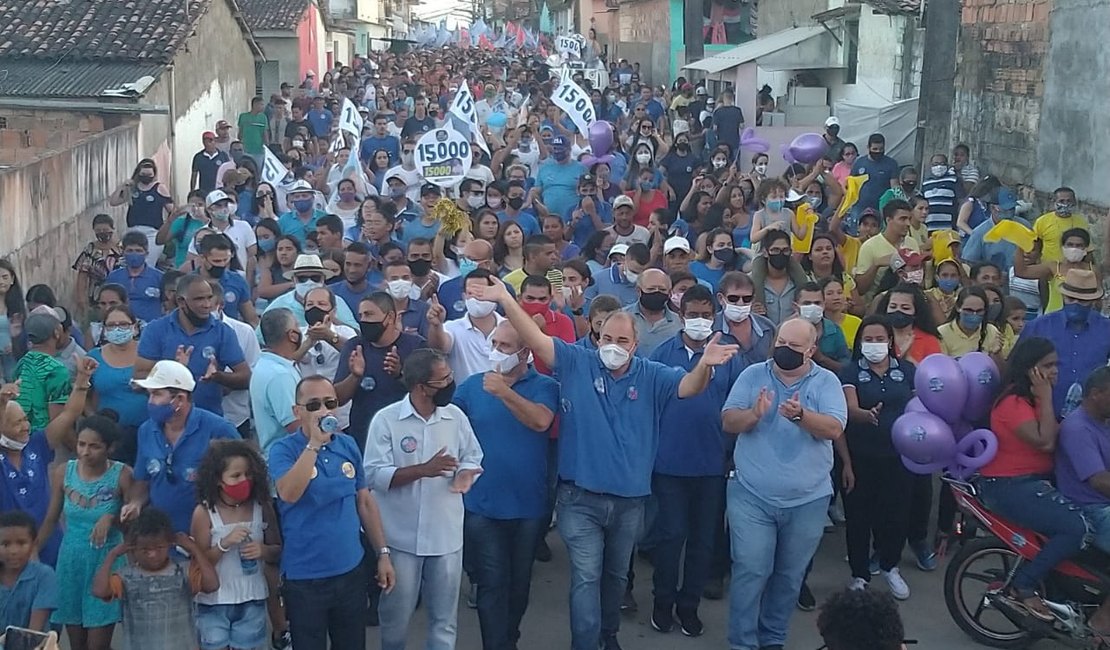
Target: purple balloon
983, 380
589, 160
941, 386
923, 438
915, 406
961, 429
601, 138
921, 468
749, 141
977, 449
808, 148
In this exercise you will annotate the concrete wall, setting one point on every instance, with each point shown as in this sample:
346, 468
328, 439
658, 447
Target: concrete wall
48, 205
645, 36
286, 51
786, 14
30, 134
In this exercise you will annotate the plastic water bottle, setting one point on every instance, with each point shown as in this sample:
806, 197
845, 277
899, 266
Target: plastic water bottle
250, 567
329, 424
1073, 399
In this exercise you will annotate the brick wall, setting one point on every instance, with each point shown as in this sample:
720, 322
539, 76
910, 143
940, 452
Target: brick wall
28, 134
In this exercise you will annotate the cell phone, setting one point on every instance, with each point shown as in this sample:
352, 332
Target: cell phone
20, 638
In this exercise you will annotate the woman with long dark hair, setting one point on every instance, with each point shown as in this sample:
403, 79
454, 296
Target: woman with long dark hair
12, 312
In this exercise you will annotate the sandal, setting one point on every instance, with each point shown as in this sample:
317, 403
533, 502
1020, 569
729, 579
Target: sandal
1033, 604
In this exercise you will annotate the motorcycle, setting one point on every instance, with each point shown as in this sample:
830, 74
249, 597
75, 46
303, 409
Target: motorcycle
980, 573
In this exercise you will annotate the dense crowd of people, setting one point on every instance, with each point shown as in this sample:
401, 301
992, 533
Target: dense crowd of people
283, 410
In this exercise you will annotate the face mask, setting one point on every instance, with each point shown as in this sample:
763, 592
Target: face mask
643, 158
1076, 313
222, 214
420, 268
146, 178
371, 332
479, 308
683, 148
103, 237
874, 351
494, 202
909, 188
524, 146
560, 154
915, 277
899, 320
517, 202
267, 245
718, 163
647, 185
14, 445
875, 155
396, 192
399, 288
238, 492
466, 265
631, 277
314, 315
347, 196
475, 202
779, 261
443, 395
654, 301
787, 358
135, 260
160, 413
1073, 254
938, 170
303, 287
811, 313
737, 313
970, 321
613, 356
725, 255
303, 205
948, 285
1063, 209
993, 311
698, 329
761, 168
504, 362
119, 335
813, 201
775, 205
216, 272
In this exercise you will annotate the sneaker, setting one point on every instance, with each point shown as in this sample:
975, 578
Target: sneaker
628, 603
472, 596
282, 641
926, 558
857, 584
662, 619
806, 601
873, 564
771, 647
543, 551
689, 622
898, 587
714, 589
836, 513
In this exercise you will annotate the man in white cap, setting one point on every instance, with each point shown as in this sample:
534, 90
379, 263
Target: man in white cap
221, 208
303, 215
308, 273
832, 139
171, 444
623, 228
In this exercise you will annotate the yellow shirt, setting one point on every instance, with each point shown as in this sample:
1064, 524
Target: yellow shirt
514, 279
920, 235
1009, 339
1049, 228
849, 250
955, 343
877, 248
850, 326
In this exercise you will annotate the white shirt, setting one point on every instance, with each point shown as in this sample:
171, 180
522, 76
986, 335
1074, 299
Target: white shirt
323, 360
237, 403
412, 180
240, 233
639, 235
424, 517
481, 173
470, 347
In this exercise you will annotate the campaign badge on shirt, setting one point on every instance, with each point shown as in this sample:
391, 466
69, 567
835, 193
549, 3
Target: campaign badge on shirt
599, 385
897, 375
460, 305
408, 444
565, 404
633, 394
191, 474
153, 466
152, 292
348, 469
209, 352
368, 383
864, 376
230, 297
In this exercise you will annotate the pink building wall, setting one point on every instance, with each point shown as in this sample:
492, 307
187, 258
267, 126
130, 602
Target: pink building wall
311, 44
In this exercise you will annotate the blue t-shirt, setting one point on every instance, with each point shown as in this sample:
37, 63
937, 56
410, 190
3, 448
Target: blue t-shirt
171, 470
611, 281
415, 229
113, 391
144, 291
329, 503
702, 272
585, 227
777, 460
236, 292
291, 224
351, 297
680, 171
880, 172
161, 337
559, 184
390, 144
1080, 348
609, 426
320, 122
527, 221
514, 462
35, 589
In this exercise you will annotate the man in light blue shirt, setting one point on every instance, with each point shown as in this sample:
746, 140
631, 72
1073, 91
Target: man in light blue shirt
787, 411
999, 253
274, 378
557, 178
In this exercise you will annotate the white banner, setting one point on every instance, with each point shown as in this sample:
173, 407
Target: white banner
272, 172
570, 44
338, 143
443, 156
349, 119
576, 103
462, 107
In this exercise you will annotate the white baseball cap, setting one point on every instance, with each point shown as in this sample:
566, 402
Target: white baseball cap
168, 374
215, 196
618, 249
676, 244
832, 121
623, 201
297, 186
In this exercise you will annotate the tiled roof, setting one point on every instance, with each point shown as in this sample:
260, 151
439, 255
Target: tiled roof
273, 14
96, 30
896, 6
72, 79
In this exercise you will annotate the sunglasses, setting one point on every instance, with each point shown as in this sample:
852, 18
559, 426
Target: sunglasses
312, 406
171, 478
310, 278
735, 299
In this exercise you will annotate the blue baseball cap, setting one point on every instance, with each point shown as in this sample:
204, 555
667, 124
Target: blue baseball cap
1005, 199
558, 141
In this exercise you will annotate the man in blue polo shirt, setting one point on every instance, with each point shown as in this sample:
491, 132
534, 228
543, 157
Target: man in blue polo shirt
171, 444
319, 118
511, 409
143, 282
323, 501
215, 253
590, 214
302, 218
190, 335
689, 477
206, 163
611, 402
557, 179
620, 279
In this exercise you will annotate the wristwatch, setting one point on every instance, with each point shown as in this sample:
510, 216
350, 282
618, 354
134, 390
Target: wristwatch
577, 312
383, 551
798, 417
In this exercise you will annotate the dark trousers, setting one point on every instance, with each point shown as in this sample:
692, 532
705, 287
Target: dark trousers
326, 608
689, 509
921, 508
877, 511
501, 555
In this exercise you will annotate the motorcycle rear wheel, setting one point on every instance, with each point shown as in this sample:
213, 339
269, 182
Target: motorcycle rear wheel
965, 588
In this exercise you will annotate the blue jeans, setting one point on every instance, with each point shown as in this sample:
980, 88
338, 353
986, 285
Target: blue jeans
771, 548
1034, 502
599, 531
326, 608
501, 555
688, 510
436, 578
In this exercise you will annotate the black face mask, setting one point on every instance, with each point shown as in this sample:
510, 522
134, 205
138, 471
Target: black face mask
194, 318
779, 261
371, 332
216, 272
725, 255
420, 268
654, 301
683, 148
899, 319
443, 395
516, 202
103, 237
788, 359
314, 315
875, 155
909, 188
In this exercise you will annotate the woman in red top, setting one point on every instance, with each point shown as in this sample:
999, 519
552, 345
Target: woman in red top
915, 333
1018, 483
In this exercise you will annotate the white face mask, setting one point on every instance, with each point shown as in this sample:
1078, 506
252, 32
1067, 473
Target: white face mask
813, 201
399, 288
14, 445
874, 351
737, 313
475, 201
761, 168
494, 202
718, 163
643, 158
938, 170
915, 277
1073, 254
504, 362
479, 308
698, 329
811, 313
613, 356
631, 277
302, 288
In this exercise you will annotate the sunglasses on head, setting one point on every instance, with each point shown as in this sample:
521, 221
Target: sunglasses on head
314, 405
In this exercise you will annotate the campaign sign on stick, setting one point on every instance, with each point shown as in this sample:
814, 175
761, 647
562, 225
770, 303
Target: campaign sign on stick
574, 101
443, 157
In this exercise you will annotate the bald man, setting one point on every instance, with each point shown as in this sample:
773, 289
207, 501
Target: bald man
610, 403
477, 254
786, 412
655, 322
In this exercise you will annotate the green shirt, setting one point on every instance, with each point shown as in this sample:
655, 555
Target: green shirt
181, 234
252, 131
45, 381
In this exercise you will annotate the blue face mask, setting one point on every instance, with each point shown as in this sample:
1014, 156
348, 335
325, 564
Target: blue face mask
948, 285
119, 335
160, 413
267, 245
303, 205
970, 321
775, 205
134, 260
466, 265
1077, 313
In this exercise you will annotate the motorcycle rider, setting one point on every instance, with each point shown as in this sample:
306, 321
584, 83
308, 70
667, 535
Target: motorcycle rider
1018, 482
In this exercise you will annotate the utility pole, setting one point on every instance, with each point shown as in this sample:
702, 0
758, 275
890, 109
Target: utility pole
938, 77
